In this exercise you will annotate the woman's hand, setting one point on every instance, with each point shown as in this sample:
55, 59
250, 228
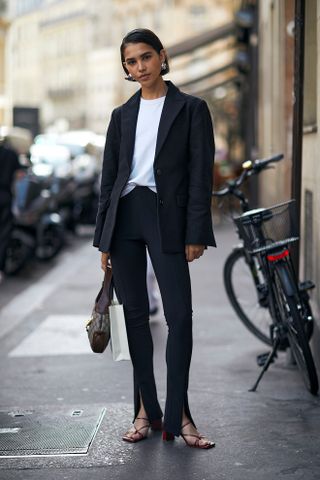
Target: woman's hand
194, 251
105, 257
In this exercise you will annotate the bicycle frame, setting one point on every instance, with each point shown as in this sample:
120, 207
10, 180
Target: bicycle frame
279, 261
254, 262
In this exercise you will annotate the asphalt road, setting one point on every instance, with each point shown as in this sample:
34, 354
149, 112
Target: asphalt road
46, 366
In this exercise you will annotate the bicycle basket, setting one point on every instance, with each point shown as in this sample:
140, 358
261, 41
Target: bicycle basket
266, 228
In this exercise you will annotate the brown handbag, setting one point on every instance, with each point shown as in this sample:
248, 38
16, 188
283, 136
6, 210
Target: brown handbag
98, 327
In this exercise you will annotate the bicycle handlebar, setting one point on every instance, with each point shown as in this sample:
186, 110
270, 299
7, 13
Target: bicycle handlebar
256, 167
263, 162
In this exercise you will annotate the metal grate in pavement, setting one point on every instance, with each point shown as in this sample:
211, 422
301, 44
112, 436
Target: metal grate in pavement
35, 432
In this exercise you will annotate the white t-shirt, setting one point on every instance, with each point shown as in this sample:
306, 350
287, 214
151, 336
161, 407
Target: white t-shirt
145, 145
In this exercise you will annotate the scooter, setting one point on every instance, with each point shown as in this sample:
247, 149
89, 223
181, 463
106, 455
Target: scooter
77, 180
38, 229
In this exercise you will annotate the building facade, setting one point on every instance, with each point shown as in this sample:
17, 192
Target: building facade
310, 193
63, 57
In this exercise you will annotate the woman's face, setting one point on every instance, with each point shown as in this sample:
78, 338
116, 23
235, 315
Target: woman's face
143, 62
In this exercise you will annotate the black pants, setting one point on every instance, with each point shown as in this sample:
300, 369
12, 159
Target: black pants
5, 231
137, 228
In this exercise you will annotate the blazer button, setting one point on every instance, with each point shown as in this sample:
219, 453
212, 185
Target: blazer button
161, 202
159, 171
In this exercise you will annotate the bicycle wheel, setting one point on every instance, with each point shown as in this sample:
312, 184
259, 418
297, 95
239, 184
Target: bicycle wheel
307, 313
291, 315
248, 293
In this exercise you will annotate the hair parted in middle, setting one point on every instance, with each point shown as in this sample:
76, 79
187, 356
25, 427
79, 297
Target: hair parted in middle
143, 35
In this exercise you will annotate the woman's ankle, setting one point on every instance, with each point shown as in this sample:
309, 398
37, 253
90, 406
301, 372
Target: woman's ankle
142, 414
185, 419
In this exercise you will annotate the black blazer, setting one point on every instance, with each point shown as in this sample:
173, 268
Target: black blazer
183, 166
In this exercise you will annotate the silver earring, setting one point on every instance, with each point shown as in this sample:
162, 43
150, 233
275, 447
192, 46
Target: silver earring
163, 65
130, 78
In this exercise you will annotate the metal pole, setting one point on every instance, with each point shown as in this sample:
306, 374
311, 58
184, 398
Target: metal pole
297, 129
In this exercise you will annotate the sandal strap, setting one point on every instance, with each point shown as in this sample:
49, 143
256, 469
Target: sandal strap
142, 418
197, 442
191, 435
141, 428
134, 431
148, 425
188, 423
129, 433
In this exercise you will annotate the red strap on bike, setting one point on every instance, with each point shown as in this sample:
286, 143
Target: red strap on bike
274, 258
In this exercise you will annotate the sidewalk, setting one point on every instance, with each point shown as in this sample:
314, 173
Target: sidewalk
270, 434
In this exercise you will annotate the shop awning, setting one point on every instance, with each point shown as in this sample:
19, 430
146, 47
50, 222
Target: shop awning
201, 40
212, 77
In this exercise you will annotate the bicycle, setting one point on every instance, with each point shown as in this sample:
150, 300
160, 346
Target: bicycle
267, 234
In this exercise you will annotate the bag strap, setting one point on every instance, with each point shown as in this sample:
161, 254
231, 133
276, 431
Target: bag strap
104, 296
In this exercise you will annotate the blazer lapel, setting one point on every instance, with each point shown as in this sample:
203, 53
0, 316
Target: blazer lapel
173, 103
129, 124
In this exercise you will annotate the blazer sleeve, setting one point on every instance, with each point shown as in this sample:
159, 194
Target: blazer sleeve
201, 159
109, 174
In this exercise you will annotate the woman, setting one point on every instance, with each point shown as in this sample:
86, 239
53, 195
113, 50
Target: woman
156, 194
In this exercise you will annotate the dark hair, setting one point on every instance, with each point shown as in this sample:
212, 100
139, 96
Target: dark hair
143, 35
